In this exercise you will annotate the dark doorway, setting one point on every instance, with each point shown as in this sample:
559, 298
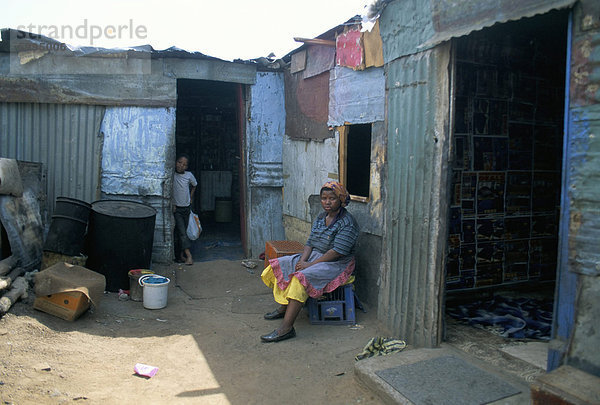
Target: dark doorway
207, 129
506, 176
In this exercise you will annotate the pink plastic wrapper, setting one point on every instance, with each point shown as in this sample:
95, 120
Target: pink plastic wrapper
145, 370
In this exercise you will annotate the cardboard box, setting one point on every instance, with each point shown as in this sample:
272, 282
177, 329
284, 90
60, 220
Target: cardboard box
65, 305
279, 248
66, 290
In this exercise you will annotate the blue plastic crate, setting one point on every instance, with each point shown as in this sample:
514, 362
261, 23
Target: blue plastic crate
334, 308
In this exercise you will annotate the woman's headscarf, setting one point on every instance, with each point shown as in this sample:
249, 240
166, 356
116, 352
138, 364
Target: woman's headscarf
339, 190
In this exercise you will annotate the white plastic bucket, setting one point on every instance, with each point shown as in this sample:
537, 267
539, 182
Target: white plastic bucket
156, 289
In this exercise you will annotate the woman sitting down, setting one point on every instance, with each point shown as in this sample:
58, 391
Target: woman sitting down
326, 263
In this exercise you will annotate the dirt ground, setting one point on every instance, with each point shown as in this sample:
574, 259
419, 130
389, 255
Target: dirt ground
205, 344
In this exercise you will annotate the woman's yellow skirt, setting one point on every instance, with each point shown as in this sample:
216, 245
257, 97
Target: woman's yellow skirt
295, 290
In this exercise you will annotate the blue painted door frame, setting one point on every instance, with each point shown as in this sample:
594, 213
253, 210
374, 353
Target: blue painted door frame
566, 281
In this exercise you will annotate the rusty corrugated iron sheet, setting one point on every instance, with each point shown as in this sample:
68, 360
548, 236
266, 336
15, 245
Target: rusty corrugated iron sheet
418, 110
306, 106
585, 60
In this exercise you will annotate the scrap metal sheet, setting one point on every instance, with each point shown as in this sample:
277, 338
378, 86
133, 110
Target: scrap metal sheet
356, 97
349, 49
319, 59
134, 154
306, 104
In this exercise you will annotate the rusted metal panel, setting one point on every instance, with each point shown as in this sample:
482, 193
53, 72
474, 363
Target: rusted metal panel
306, 106
409, 26
349, 49
585, 80
66, 139
416, 203
356, 97
264, 138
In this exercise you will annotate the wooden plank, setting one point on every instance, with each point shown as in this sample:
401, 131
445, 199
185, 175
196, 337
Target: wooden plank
316, 41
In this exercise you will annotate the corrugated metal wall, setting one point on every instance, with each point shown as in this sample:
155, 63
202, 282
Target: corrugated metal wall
264, 140
412, 280
65, 138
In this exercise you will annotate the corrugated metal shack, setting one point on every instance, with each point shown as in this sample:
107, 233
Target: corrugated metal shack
107, 123
481, 175
492, 107
464, 130
335, 107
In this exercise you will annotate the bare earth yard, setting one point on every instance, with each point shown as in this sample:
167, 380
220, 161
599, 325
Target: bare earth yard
205, 343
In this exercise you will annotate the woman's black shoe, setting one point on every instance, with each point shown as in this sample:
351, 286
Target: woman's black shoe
274, 337
275, 315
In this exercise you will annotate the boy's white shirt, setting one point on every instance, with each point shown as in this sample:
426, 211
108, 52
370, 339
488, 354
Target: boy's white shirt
181, 188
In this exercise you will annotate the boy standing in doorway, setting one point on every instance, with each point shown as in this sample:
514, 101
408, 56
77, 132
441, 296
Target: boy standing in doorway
184, 185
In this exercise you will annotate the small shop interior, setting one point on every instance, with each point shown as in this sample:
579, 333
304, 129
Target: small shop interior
505, 186
207, 131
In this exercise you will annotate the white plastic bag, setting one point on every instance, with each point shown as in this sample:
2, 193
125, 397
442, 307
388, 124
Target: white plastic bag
194, 228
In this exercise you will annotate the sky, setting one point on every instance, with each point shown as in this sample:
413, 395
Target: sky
233, 29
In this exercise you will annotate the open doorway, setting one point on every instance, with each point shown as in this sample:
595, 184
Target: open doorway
506, 183
207, 129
